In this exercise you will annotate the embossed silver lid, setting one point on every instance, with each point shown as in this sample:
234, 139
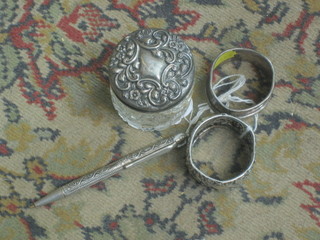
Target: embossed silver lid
151, 70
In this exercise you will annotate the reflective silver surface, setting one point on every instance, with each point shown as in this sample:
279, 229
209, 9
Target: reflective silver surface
221, 121
151, 70
165, 146
262, 63
109, 170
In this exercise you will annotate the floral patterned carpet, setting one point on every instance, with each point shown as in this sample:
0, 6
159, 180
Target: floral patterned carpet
58, 123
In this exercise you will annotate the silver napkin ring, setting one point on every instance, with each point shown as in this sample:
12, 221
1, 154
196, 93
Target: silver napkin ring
261, 62
221, 121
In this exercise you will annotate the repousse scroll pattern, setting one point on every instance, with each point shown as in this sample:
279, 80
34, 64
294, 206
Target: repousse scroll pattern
143, 90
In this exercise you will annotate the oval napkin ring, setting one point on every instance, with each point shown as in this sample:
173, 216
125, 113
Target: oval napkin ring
244, 131
262, 63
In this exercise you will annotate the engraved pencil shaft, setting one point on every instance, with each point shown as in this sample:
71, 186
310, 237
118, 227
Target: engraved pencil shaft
109, 170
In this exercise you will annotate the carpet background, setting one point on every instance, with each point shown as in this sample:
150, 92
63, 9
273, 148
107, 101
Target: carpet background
58, 123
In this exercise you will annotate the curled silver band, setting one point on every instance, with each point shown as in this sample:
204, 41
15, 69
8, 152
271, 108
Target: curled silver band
261, 62
220, 121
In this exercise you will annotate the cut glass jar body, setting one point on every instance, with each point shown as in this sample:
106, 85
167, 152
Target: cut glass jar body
149, 121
